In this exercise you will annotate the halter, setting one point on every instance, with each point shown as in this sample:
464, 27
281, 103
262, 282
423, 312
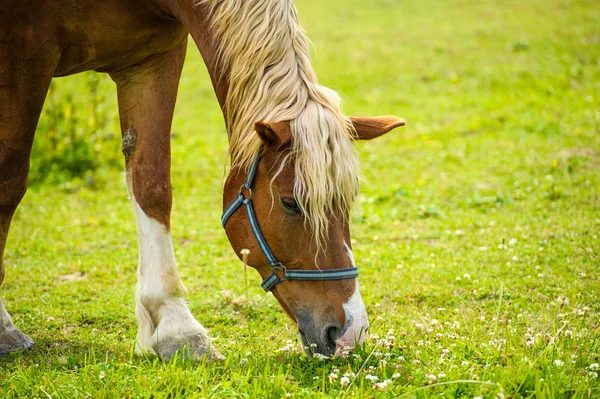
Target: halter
274, 264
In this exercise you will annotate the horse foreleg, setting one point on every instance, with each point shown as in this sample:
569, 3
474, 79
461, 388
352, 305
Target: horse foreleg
24, 83
147, 96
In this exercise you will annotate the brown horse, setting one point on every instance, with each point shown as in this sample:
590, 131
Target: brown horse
304, 179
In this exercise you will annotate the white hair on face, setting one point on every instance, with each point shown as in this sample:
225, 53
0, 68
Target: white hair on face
271, 79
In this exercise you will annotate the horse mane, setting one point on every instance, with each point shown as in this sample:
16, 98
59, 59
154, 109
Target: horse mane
271, 79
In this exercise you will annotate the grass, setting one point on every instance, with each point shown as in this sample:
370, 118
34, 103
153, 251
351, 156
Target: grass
476, 233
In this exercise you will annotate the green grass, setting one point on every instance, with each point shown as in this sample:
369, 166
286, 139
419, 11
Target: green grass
477, 230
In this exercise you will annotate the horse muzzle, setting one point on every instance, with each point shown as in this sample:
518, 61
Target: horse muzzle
331, 338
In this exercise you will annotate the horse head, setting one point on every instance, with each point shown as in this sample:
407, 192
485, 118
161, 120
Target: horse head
295, 224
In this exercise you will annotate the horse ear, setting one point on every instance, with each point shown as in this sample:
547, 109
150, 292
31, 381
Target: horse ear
275, 135
370, 128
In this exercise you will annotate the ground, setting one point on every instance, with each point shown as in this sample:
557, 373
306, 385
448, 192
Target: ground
477, 231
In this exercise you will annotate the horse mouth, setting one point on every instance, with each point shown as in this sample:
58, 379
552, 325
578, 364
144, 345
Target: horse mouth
305, 342
313, 347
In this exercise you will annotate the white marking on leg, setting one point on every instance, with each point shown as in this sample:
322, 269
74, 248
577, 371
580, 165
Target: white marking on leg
163, 316
356, 317
5, 319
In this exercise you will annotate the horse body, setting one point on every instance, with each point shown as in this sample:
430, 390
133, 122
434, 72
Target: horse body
87, 35
142, 45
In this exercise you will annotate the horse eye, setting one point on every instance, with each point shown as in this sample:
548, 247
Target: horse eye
290, 204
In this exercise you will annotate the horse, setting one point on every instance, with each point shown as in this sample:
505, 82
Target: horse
293, 166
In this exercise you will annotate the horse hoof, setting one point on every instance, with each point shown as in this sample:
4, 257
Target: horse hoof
13, 340
196, 347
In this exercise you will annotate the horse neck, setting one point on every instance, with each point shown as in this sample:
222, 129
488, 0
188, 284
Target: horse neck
248, 50
194, 16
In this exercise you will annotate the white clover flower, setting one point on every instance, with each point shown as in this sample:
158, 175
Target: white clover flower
529, 340
442, 375
382, 386
383, 342
372, 378
558, 362
562, 300
333, 377
594, 366
344, 381
396, 375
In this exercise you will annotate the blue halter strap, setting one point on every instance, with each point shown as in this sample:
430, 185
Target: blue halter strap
284, 273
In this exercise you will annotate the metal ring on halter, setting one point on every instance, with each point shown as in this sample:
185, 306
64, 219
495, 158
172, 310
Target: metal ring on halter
279, 266
244, 186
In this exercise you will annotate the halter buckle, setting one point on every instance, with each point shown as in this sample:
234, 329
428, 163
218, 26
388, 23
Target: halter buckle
279, 266
244, 186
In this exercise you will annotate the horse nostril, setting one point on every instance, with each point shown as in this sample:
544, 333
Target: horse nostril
333, 333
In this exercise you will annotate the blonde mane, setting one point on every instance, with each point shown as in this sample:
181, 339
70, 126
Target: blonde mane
271, 79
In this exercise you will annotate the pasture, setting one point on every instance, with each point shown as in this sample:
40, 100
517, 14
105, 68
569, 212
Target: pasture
477, 230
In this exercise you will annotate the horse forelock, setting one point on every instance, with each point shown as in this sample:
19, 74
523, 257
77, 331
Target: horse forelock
271, 79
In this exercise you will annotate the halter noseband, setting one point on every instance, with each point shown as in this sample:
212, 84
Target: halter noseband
287, 275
